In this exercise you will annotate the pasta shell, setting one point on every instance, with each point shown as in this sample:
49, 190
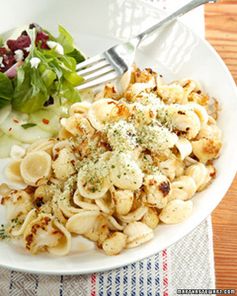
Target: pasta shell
108, 91
157, 188
41, 234
42, 145
172, 93
77, 125
106, 204
171, 168
199, 173
99, 232
79, 108
99, 112
134, 216
138, 87
125, 172
206, 149
58, 214
13, 172
67, 210
123, 201
187, 122
114, 244
151, 218
137, 233
35, 166
44, 192
113, 224
184, 147
210, 131
64, 244
18, 204
63, 166
5, 190
19, 231
176, 211
58, 146
211, 175
63, 134
93, 180
83, 222
79, 201
183, 188
200, 111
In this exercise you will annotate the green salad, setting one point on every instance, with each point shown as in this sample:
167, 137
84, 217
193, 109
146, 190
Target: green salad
38, 81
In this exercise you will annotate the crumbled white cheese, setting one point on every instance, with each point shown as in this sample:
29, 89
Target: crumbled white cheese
28, 48
56, 46
19, 55
17, 151
122, 136
1, 62
34, 62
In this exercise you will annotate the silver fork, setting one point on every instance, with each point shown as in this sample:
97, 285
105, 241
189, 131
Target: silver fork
116, 61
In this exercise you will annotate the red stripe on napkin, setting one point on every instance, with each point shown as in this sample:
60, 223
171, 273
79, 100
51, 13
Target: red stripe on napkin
165, 273
93, 284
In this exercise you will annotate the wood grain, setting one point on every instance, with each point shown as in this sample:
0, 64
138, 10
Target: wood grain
221, 32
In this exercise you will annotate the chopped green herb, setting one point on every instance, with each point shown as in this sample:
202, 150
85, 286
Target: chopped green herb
3, 234
28, 125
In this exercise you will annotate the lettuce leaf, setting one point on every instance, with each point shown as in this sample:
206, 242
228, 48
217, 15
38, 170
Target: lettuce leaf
55, 76
30, 91
65, 39
6, 90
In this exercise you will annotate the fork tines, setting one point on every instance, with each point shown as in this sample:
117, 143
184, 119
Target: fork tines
95, 70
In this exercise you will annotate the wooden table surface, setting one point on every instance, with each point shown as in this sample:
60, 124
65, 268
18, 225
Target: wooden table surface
221, 32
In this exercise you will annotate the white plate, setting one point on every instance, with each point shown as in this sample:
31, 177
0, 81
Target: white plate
176, 53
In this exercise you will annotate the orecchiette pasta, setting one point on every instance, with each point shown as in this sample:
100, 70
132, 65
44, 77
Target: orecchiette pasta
45, 233
206, 149
115, 243
99, 112
183, 188
99, 231
35, 167
137, 234
176, 211
157, 188
79, 108
13, 172
125, 172
63, 165
186, 122
184, 146
199, 173
125, 160
83, 222
151, 218
123, 200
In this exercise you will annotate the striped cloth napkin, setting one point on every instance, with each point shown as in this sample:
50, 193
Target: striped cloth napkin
177, 267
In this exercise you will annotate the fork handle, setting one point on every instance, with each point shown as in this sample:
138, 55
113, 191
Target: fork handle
186, 8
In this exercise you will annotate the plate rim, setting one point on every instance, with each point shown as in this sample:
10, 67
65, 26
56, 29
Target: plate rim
185, 232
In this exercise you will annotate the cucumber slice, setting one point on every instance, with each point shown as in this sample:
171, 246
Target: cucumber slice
4, 112
6, 144
12, 126
47, 120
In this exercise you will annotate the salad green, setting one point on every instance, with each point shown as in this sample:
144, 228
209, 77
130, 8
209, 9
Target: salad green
54, 75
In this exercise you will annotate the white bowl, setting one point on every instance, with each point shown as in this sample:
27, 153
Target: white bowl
176, 53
